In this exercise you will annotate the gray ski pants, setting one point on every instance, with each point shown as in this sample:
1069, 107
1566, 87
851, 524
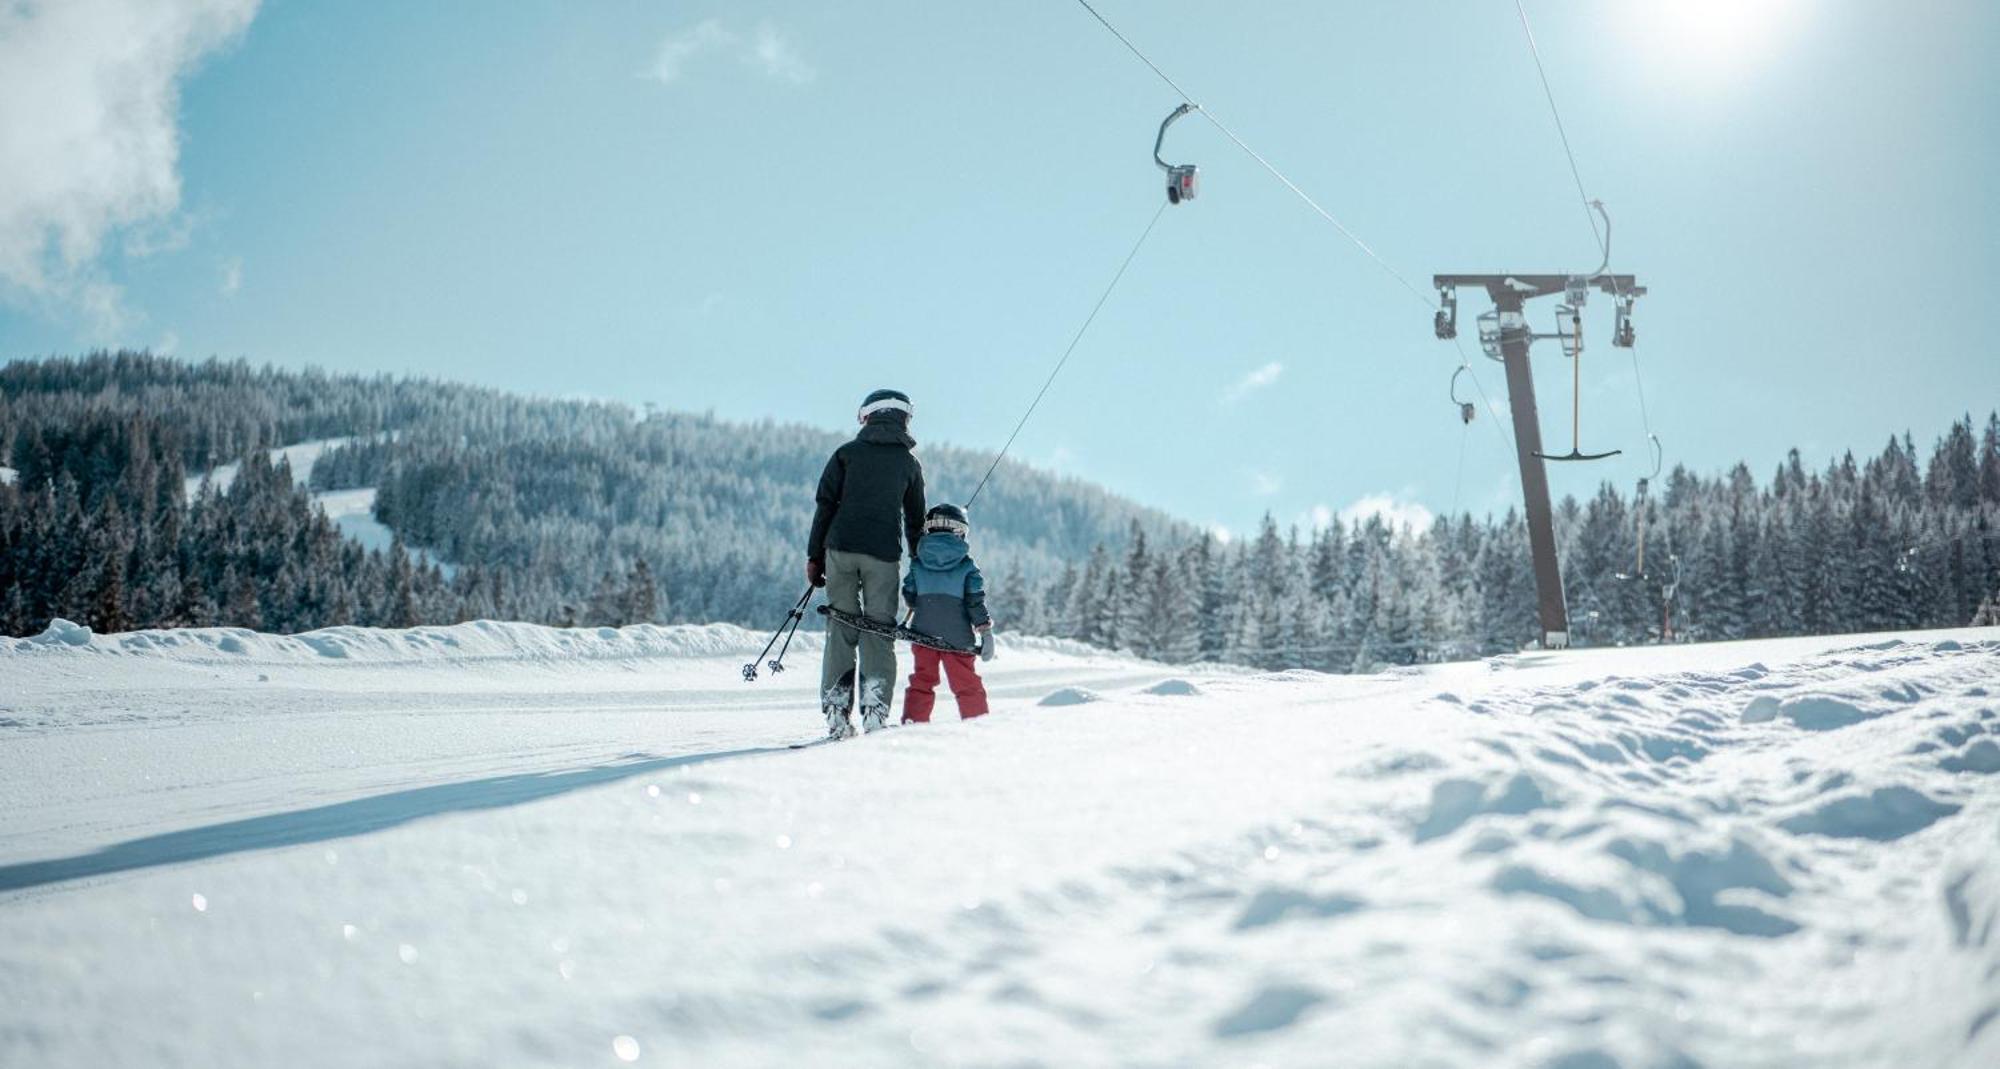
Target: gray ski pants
861, 584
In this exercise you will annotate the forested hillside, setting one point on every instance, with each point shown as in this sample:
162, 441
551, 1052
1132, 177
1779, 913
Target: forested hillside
581, 512
552, 511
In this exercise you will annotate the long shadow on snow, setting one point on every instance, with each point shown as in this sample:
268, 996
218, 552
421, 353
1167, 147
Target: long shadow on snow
340, 820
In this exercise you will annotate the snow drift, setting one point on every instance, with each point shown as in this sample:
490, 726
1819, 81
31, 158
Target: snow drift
502, 844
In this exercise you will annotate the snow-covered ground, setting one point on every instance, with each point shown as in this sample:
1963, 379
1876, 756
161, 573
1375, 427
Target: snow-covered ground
505, 845
8, 475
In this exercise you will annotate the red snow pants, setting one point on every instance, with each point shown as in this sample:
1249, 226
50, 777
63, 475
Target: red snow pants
965, 685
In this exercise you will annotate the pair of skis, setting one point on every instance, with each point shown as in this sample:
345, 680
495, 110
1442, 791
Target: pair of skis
849, 687
887, 629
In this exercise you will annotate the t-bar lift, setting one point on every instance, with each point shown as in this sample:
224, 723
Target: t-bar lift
1505, 336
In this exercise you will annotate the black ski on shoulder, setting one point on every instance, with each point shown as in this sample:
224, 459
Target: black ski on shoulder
892, 630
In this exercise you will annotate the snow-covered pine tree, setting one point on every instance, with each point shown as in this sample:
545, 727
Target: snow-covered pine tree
1134, 615
1989, 611
1086, 616
1989, 462
1107, 608
1016, 603
400, 607
642, 594
1168, 605
1205, 570
108, 613
1953, 481
606, 605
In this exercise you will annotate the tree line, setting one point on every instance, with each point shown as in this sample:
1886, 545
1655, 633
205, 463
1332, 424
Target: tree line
97, 527
1893, 543
565, 512
571, 512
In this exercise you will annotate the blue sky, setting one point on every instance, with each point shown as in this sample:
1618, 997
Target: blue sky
767, 209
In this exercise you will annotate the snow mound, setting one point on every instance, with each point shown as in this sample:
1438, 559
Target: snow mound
1982, 757
1884, 815
1174, 688
1455, 801
1762, 710
61, 632
1820, 713
1071, 696
1270, 1009
479, 640
1274, 904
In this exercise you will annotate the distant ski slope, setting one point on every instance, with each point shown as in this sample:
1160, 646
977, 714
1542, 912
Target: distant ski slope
504, 844
352, 511
301, 456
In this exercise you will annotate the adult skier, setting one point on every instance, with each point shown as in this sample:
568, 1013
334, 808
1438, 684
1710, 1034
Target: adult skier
948, 598
871, 505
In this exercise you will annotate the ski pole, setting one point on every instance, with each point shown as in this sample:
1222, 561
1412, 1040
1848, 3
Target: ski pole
777, 664
797, 613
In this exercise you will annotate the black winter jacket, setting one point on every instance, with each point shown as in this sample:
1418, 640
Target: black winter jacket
871, 495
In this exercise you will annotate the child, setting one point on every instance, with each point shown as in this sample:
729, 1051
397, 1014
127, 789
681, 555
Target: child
947, 598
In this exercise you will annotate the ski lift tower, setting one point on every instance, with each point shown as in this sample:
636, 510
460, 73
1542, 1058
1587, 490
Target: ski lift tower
1505, 337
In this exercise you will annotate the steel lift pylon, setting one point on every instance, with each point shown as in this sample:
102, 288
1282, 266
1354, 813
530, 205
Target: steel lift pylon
1505, 336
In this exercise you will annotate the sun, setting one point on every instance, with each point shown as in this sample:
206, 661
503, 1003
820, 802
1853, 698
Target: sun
1711, 41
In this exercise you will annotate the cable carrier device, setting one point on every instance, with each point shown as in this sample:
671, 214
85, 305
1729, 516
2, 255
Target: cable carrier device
1183, 179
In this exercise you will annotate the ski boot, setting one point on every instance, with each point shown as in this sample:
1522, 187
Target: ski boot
874, 708
837, 704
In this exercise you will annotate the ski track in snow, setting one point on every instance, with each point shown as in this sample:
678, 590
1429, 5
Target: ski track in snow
503, 844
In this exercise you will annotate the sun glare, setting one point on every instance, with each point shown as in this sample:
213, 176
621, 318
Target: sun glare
1711, 40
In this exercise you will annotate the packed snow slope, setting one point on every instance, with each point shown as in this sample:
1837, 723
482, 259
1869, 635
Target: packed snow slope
353, 511
505, 845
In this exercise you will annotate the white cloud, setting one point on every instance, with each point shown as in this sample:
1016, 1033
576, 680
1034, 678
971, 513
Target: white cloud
232, 276
1264, 484
100, 304
1254, 381
764, 50
1407, 515
168, 345
778, 58
155, 236
671, 61
90, 140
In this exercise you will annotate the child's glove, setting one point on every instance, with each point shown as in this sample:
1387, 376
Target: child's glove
986, 644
